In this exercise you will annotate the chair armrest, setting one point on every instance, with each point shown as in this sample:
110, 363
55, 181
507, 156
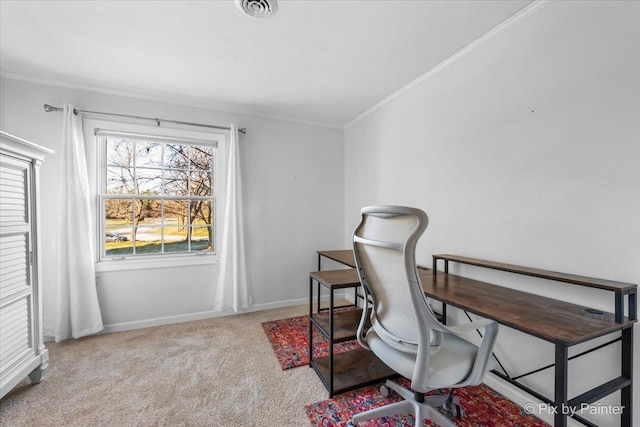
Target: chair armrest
485, 351
360, 334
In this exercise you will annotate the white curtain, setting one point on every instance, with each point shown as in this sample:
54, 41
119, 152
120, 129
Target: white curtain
71, 306
232, 290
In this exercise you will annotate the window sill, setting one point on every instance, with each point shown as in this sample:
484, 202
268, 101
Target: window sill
120, 264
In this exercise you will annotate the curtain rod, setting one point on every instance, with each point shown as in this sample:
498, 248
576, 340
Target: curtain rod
48, 108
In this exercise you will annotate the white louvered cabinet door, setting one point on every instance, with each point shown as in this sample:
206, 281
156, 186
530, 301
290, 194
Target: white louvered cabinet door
22, 351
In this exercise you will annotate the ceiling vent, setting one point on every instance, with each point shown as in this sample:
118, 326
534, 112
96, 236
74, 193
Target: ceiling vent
258, 8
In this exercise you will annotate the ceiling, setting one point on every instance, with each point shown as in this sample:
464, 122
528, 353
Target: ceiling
320, 61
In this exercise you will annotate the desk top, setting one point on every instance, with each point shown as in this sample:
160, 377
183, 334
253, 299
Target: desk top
337, 279
546, 318
344, 256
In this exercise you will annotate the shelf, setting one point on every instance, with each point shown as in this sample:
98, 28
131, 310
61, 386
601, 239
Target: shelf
355, 368
325, 307
337, 279
345, 324
592, 282
351, 370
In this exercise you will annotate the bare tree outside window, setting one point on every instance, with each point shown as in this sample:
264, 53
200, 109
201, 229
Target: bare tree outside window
158, 197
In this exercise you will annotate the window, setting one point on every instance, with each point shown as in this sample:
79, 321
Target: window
157, 195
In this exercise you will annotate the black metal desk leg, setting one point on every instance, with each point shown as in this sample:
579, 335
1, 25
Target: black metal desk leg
444, 313
626, 394
561, 389
619, 307
331, 343
319, 269
310, 322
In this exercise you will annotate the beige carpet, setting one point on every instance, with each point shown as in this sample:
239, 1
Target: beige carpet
215, 372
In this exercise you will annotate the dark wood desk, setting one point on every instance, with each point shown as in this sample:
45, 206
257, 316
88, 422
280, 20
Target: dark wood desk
562, 323
546, 318
620, 289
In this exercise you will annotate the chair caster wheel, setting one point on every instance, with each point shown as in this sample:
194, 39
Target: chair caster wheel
385, 391
457, 411
453, 407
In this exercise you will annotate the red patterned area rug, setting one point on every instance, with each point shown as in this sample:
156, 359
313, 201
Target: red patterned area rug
289, 339
483, 407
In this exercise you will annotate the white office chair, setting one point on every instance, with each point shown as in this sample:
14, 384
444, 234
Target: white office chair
404, 332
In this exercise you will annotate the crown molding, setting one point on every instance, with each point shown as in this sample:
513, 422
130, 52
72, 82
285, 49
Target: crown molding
169, 99
513, 20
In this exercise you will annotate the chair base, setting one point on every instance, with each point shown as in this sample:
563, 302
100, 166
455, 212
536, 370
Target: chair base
421, 410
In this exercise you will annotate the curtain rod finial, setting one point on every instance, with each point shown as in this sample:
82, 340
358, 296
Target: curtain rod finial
49, 108
243, 130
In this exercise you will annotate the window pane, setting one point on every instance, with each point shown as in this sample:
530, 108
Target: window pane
200, 158
201, 212
148, 226
119, 151
148, 154
201, 183
176, 182
148, 214
202, 238
176, 212
146, 247
175, 239
176, 156
120, 180
118, 227
149, 181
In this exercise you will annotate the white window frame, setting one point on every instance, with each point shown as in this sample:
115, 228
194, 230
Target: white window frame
97, 166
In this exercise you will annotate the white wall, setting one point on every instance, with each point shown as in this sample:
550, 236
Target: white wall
294, 204
1, 102
525, 151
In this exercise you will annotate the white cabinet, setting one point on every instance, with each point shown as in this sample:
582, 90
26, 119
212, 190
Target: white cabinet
22, 351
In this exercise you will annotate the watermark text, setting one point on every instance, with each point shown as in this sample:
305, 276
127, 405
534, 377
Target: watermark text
564, 409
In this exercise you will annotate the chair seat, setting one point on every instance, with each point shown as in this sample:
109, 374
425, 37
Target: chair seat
448, 366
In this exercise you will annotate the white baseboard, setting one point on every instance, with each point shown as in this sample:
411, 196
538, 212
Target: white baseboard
160, 321
189, 317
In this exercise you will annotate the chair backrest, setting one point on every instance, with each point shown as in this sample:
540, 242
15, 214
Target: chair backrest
384, 245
